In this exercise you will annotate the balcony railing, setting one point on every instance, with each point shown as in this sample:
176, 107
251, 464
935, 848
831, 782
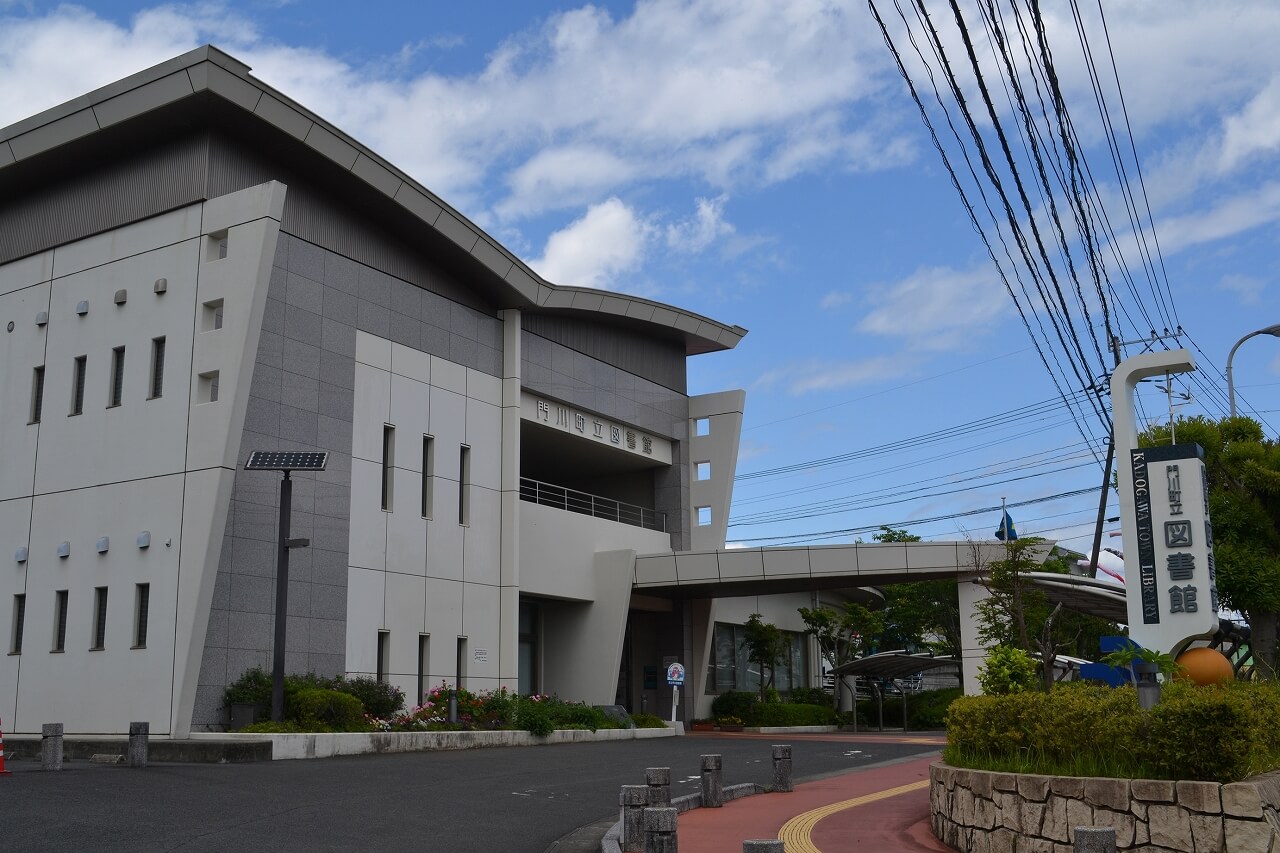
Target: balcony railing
575, 501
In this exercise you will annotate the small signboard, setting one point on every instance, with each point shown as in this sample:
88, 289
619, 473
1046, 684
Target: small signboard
482, 656
675, 674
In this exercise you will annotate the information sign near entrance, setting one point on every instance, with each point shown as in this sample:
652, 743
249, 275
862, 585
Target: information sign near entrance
675, 677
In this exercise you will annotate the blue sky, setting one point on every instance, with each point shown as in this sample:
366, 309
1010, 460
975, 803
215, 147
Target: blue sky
763, 164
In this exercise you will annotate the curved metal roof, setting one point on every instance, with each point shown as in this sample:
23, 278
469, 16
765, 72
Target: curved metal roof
1090, 596
208, 71
897, 664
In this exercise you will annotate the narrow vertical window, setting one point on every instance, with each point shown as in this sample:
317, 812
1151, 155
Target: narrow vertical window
141, 604
388, 464
460, 677
424, 659
428, 472
19, 620
157, 368
60, 621
116, 391
77, 384
37, 394
384, 653
99, 618
464, 480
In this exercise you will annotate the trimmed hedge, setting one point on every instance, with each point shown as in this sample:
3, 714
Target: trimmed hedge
1223, 733
734, 703
327, 710
925, 710
779, 714
809, 696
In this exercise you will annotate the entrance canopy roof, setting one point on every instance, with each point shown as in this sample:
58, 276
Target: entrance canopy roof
891, 665
1090, 596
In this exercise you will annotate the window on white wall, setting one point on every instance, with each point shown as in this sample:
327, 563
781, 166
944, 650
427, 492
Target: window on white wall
157, 368
460, 669
207, 387
37, 394
141, 606
60, 621
704, 516
77, 384
424, 660
211, 316
702, 426
19, 621
464, 481
384, 655
99, 618
115, 393
702, 470
428, 473
388, 464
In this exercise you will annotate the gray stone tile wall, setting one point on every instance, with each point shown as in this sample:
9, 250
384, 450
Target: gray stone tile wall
302, 397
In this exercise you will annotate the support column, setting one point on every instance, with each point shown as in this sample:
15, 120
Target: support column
972, 651
509, 502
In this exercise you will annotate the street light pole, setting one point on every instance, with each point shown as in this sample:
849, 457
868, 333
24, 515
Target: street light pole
1231, 388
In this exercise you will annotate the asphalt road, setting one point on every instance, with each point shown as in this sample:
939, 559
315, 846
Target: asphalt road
516, 799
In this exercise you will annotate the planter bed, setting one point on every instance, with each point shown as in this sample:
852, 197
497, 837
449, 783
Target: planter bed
978, 810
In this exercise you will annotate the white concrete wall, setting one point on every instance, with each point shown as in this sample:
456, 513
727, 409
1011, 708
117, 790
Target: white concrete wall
719, 450
162, 465
408, 574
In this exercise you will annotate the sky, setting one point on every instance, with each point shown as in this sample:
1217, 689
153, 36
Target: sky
763, 164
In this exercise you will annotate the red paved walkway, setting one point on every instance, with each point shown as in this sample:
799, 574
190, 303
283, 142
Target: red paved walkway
898, 822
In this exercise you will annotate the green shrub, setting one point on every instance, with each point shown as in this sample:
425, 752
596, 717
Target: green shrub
288, 727
1216, 734
327, 710
1008, 670
534, 716
251, 688
734, 703
769, 714
379, 699
809, 696
648, 721
566, 715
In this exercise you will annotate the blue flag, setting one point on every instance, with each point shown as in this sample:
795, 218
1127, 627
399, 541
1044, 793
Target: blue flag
1006, 533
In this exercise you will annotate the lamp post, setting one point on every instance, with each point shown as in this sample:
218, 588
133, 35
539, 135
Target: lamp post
1274, 331
285, 461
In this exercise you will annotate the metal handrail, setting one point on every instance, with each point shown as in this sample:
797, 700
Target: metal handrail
562, 497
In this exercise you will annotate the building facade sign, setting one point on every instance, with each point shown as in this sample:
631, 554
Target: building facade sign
593, 427
1176, 594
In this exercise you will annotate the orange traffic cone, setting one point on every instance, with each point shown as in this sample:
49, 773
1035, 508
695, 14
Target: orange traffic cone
3, 772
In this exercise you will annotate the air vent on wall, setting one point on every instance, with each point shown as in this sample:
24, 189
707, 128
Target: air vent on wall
122, 296
162, 284
42, 318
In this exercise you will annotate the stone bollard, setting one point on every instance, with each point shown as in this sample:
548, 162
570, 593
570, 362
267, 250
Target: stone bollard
633, 799
659, 781
782, 767
51, 746
660, 831
712, 783
1095, 839
139, 734
770, 846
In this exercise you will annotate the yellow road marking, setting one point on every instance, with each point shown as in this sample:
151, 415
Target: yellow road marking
796, 833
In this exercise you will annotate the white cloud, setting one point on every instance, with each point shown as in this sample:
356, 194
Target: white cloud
835, 299
938, 308
705, 227
819, 375
591, 251
1255, 129
1247, 288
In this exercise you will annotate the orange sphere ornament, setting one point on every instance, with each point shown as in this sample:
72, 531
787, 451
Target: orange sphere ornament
1206, 666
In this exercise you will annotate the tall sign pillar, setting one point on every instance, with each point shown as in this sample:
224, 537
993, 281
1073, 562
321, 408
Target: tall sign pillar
1170, 580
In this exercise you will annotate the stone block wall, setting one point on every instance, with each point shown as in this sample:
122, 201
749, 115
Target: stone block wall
976, 811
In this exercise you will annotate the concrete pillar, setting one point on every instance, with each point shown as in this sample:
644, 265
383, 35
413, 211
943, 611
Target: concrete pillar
632, 799
659, 781
973, 654
782, 768
1095, 839
51, 746
660, 830
712, 782
764, 846
139, 735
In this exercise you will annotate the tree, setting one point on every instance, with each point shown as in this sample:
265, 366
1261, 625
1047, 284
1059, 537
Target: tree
920, 613
844, 634
1013, 602
765, 645
1243, 468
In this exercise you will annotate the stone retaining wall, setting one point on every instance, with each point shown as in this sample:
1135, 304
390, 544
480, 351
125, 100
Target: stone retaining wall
984, 812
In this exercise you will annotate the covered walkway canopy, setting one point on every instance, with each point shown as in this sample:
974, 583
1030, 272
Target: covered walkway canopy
892, 665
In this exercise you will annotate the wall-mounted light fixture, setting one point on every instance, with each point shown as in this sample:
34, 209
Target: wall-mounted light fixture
21, 554
104, 544
144, 539
64, 549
